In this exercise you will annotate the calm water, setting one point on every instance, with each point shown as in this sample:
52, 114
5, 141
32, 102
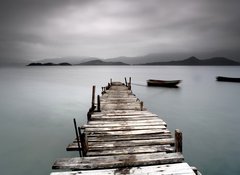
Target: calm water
37, 105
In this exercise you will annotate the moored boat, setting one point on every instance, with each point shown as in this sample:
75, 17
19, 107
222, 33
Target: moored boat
228, 79
164, 83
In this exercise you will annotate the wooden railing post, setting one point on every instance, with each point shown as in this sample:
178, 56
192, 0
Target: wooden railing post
77, 136
98, 104
178, 141
141, 105
93, 97
83, 142
126, 81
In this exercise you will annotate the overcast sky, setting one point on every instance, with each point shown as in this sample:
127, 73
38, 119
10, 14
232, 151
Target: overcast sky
36, 29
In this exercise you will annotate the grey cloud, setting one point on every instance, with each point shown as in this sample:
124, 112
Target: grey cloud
108, 28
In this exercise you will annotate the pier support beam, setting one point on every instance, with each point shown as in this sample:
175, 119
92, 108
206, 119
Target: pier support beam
178, 140
93, 97
141, 105
77, 136
98, 104
83, 142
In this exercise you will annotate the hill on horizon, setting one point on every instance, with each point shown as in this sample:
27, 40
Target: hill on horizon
191, 61
101, 62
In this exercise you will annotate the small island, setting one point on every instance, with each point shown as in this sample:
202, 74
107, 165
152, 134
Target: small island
101, 63
50, 64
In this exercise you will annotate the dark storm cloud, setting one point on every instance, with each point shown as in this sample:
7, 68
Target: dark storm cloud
33, 29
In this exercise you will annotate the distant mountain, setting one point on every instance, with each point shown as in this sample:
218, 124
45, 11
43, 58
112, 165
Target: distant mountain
150, 59
71, 60
154, 57
100, 62
49, 64
193, 61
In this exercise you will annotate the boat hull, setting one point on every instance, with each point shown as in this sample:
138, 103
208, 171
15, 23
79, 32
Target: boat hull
228, 79
163, 83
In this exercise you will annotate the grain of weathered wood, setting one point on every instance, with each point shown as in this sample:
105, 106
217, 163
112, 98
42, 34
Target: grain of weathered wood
98, 138
125, 116
132, 150
128, 119
167, 169
133, 132
118, 161
144, 117
122, 128
103, 122
113, 125
129, 143
122, 113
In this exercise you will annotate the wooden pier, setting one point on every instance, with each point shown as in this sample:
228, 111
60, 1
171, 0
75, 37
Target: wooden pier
122, 137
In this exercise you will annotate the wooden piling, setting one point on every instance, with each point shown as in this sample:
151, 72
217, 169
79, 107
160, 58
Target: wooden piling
141, 105
77, 136
83, 142
178, 141
111, 81
126, 81
93, 97
98, 104
195, 170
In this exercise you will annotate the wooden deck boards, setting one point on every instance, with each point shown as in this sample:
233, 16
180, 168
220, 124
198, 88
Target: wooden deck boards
99, 162
124, 138
167, 169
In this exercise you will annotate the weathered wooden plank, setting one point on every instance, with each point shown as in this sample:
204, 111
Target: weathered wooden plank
132, 150
129, 143
122, 128
125, 116
118, 96
111, 125
127, 119
99, 138
133, 132
167, 169
103, 122
147, 117
122, 100
120, 107
118, 161
121, 113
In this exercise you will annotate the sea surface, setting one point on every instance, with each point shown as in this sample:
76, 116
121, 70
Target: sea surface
38, 104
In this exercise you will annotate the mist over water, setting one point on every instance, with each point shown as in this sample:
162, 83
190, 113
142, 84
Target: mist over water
37, 106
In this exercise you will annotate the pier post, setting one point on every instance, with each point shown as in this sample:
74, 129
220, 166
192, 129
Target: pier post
83, 142
141, 105
77, 136
98, 104
178, 141
89, 114
111, 81
93, 97
126, 81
